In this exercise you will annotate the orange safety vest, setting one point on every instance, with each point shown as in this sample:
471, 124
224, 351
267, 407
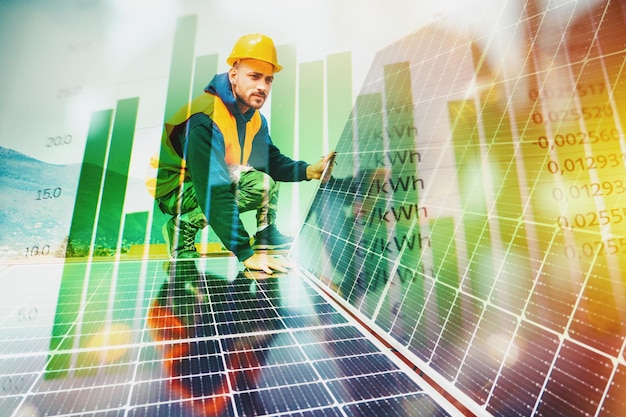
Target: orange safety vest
171, 169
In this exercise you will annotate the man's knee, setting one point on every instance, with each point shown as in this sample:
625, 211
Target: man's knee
268, 185
255, 190
261, 183
179, 201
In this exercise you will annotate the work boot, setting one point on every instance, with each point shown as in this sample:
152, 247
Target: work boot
180, 238
270, 238
180, 233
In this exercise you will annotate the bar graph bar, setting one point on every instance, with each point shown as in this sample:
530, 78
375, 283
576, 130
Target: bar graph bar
515, 276
559, 280
89, 183
368, 240
477, 234
204, 69
94, 316
126, 294
399, 159
402, 159
178, 93
339, 94
599, 317
283, 127
108, 227
439, 290
79, 242
310, 121
283, 105
369, 109
399, 106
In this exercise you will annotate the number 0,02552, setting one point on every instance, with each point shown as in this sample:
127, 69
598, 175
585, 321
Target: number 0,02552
608, 247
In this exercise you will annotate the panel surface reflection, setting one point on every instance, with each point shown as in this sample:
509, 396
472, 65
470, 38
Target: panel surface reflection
206, 339
476, 212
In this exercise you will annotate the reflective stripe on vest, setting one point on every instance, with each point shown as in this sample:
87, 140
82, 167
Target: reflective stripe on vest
215, 108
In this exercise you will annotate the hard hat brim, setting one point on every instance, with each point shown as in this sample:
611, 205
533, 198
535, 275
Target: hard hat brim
233, 60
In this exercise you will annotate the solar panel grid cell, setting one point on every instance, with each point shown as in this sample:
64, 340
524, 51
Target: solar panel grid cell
416, 404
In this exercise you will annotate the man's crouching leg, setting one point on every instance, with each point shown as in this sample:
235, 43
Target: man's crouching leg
258, 191
187, 219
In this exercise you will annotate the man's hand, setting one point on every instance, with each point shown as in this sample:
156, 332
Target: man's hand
314, 171
268, 264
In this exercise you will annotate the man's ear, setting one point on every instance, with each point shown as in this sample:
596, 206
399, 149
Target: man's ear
232, 75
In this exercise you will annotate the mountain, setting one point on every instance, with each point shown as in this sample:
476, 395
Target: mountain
37, 201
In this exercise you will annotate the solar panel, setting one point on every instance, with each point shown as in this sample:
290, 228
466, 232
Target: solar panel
463, 254
473, 216
200, 340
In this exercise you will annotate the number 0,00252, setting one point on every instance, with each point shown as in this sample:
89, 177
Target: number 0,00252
578, 138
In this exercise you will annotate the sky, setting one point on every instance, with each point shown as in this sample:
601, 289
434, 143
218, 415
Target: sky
64, 59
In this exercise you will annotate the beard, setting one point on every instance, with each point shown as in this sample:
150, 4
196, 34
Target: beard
252, 100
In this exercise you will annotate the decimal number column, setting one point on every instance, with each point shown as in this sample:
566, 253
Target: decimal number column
573, 153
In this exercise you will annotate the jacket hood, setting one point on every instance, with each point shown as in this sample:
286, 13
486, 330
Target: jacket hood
220, 86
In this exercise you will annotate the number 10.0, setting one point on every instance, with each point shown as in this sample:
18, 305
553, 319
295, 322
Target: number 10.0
36, 251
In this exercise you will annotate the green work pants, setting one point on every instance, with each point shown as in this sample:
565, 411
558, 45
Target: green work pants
254, 190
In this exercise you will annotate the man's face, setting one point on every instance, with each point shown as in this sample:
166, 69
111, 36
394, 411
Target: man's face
251, 80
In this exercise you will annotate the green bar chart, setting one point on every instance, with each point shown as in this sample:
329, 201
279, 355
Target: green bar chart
98, 301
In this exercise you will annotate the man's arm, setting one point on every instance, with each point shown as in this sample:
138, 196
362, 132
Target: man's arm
283, 168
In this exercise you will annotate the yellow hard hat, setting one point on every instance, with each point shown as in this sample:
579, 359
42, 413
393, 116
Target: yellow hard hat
254, 46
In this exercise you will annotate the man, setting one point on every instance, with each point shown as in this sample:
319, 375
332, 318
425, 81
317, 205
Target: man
219, 161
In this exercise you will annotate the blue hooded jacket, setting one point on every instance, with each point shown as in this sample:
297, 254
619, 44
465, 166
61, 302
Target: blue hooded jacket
201, 143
